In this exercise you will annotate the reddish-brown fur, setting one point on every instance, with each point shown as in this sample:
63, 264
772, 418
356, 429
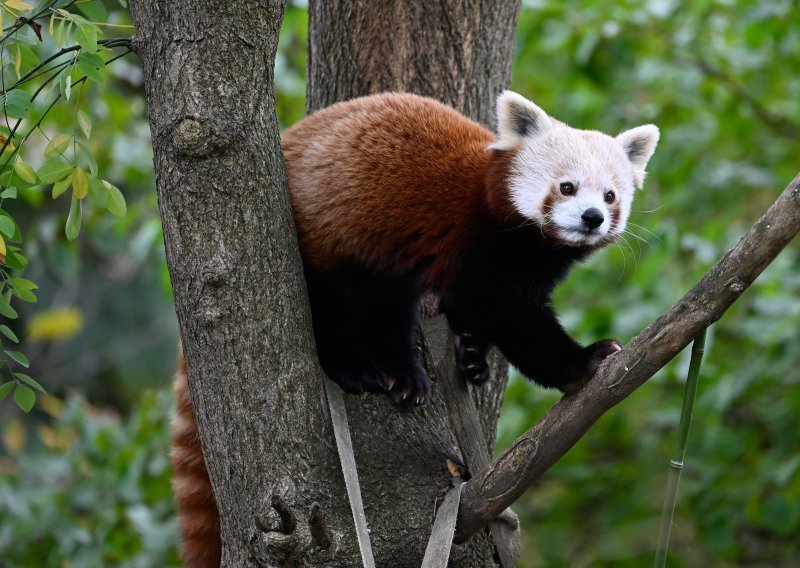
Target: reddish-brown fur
197, 511
414, 181
410, 184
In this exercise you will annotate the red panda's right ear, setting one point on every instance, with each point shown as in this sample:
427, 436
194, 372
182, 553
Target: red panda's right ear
518, 119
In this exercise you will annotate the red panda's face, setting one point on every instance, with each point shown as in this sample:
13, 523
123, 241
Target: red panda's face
576, 185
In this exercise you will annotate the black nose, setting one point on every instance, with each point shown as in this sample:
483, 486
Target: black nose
593, 217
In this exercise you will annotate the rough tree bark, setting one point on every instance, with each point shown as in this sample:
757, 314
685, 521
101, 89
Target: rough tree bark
237, 277
235, 267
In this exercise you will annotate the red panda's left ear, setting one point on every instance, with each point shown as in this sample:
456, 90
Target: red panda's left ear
639, 144
518, 119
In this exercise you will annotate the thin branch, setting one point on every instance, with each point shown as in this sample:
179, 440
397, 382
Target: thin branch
109, 43
497, 486
22, 21
47, 110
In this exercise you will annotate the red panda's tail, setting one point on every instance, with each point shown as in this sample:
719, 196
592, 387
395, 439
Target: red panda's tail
198, 517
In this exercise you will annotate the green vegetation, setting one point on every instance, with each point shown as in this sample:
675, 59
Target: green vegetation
88, 483
95, 493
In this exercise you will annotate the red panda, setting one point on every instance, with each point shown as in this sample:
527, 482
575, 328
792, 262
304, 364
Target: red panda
395, 195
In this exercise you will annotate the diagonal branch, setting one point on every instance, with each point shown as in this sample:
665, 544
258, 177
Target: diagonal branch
490, 492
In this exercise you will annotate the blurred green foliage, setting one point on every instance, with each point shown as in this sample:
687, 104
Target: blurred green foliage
719, 79
96, 493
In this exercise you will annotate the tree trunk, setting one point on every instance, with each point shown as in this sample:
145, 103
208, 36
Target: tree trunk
459, 53
237, 277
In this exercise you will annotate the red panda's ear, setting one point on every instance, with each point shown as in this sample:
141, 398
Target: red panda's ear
639, 144
518, 119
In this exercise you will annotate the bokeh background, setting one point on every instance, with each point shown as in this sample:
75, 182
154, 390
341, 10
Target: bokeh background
84, 479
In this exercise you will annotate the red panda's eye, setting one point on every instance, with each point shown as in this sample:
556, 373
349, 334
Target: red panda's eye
610, 196
568, 188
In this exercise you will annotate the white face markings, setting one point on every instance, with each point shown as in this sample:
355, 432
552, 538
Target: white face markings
577, 185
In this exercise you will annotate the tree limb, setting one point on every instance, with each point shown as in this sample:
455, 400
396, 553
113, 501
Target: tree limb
497, 486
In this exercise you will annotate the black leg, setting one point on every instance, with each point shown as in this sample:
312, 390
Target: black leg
522, 325
471, 352
544, 352
364, 326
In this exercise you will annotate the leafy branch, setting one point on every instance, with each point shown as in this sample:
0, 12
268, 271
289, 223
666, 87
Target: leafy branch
68, 160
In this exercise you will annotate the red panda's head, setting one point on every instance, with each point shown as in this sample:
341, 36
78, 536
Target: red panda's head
577, 185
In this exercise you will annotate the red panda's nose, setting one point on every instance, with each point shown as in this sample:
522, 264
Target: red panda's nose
592, 217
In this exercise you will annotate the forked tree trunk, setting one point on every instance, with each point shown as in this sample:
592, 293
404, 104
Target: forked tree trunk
236, 272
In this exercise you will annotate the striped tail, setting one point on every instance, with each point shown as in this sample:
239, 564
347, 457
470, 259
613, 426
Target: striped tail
198, 517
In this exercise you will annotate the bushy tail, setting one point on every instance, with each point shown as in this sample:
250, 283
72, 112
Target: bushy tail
198, 517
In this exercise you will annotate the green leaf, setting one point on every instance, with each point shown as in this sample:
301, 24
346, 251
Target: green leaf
95, 10
9, 193
5, 330
6, 388
53, 171
86, 36
98, 193
27, 379
25, 296
61, 186
60, 34
25, 172
86, 157
18, 61
18, 5
23, 289
25, 398
68, 30
17, 103
5, 307
73, 226
16, 260
22, 283
18, 357
92, 59
57, 146
90, 64
7, 226
29, 58
84, 123
80, 183
116, 201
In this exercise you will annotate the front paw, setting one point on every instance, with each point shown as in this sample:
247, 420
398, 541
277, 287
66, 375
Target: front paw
471, 356
594, 354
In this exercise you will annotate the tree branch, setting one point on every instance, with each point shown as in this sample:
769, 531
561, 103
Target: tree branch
497, 486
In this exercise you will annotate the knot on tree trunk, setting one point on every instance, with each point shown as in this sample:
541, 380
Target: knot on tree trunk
198, 138
284, 540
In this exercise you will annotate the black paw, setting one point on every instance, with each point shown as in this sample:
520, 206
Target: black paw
410, 388
594, 354
361, 376
471, 355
